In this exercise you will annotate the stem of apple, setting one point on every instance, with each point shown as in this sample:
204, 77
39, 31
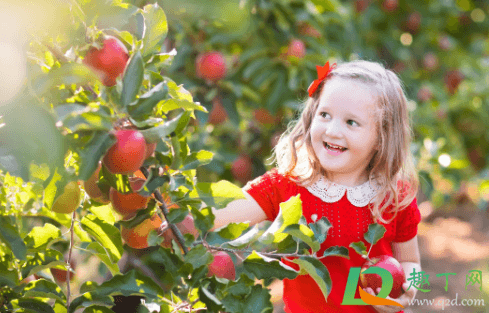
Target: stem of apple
164, 209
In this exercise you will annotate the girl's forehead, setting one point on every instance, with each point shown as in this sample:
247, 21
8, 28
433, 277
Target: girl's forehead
348, 95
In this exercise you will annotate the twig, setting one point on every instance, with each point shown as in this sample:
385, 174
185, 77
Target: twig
272, 254
68, 273
164, 209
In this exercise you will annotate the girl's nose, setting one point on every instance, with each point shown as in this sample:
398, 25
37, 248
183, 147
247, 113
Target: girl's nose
333, 128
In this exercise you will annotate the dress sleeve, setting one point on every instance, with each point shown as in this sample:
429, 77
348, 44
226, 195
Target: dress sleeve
407, 222
265, 190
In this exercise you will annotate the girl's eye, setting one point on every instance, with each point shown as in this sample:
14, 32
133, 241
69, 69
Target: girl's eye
324, 114
352, 123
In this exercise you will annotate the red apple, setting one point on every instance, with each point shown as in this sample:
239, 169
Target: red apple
110, 61
413, 22
444, 43
374, 281
218, 114
186, 226
127, 205
430, 61
60, 275
264, 116
222, 266
150, 149
399, 66
361, 5
424, 94
242, 169
137, 237
453, 79
92, 189
211, 66
69, 200
390, 5
127, 155
306, 29
297, 48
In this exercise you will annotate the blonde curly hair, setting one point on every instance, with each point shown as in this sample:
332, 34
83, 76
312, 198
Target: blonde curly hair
392, 166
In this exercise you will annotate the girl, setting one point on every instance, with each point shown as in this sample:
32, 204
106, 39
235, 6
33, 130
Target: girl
348, 158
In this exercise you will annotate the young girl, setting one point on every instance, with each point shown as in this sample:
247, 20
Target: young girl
348, 158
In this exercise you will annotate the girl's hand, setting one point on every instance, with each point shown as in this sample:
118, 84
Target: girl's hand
404, 300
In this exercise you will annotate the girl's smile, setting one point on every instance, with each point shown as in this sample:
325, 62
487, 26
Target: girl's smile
344, 131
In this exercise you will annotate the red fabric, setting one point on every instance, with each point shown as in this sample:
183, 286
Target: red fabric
349, 224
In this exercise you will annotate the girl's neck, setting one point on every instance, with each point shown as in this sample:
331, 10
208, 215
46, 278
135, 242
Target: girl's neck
347, 180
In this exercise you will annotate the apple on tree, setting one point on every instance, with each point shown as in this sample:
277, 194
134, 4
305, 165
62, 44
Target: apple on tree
374, 281
69, 200
137, 237
218, 114
127, 205
93, 190
242, 169
222, 266
110, 61
127, 155
296, 48
186, 226
210, 66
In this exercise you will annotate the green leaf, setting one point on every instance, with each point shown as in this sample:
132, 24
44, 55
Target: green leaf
67, 74
89, 299
107, 235
229, 103
156, 28
8, 277
245, 240
265, 267
35, 305
233, 230
337, 251
217, 195
42, 260
204, 219
174, 104
133, 78
42, 288
426, 183
131, 283
97, 309
303, 233
11, 237
91, 152
143, 108
40, 237
359, 247
176, 215
98, 250
198, 256
375, 233
197, 159
161, 131
257, 301
88, 120
320, 229
327, 5
316, 269
290, 213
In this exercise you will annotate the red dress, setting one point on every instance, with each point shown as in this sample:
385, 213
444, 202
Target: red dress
349, 224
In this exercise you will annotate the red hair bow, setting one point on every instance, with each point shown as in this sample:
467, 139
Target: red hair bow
323, 72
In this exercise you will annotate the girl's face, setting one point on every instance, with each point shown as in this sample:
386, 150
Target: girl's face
344, 131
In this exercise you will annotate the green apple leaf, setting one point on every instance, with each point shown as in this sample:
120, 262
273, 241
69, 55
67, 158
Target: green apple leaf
316, 269
44, 289
155, 30
375, 233
265, 267
303, 233
100, 252
107, 235
320, 228
245, 240
359, 247
11, 237
39, 237
290, 213
133, 78
217, 195
198, 256
337, 251
42, 260
232, 230
93, 151
34, 305
257, 301
145, 104
161, 131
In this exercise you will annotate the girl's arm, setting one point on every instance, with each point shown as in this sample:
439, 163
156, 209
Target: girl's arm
242, 210
407, 253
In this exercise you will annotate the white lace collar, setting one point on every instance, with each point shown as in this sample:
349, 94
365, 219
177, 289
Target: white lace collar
331, 192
